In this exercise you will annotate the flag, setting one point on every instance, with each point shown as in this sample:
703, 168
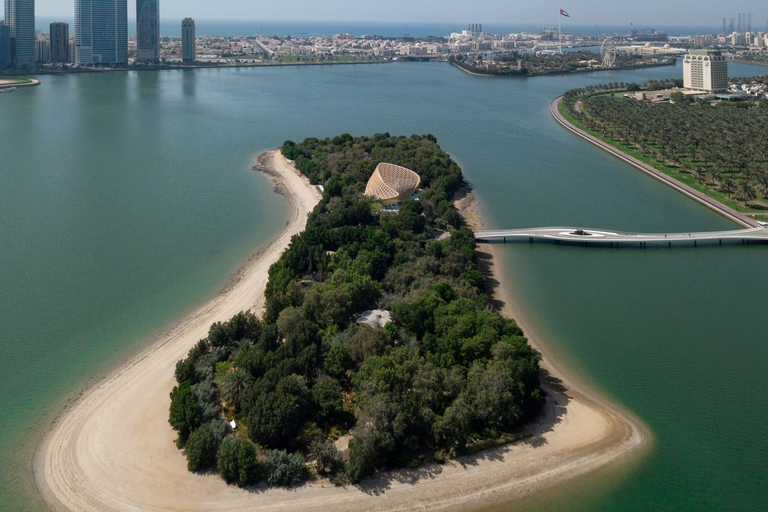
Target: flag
563, 13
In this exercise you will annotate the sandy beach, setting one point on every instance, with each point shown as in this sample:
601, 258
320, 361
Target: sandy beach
112, 448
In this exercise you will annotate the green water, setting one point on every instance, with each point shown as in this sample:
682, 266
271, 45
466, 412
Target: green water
126, 199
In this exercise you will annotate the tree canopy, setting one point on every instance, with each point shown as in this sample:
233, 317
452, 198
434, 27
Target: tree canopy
445, 372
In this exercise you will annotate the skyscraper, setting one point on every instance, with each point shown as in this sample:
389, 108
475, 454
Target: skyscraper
6, 58
20, 16
59, 42
101, 31
147, 30
188, 40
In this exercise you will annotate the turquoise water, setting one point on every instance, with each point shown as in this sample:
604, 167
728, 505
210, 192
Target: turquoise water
126, 199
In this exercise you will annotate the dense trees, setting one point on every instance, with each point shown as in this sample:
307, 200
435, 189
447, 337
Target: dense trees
446, 372
722, 146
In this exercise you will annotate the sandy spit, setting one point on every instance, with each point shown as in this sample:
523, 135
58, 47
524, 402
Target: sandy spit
112, 448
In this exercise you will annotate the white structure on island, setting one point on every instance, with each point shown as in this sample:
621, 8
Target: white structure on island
705, 70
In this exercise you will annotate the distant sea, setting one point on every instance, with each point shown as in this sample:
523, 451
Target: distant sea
172, 28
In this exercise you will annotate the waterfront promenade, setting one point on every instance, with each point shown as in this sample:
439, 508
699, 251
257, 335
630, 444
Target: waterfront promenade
608, 238
694, 194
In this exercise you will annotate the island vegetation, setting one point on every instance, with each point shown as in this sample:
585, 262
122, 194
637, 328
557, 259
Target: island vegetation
446, 376
527, 63
718, 147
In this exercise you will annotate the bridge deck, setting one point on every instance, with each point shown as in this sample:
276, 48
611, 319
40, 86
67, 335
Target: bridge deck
609, 237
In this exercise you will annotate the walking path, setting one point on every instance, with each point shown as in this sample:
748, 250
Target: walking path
691, 192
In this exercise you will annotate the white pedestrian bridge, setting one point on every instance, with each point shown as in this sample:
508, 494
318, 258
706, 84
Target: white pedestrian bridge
609, 238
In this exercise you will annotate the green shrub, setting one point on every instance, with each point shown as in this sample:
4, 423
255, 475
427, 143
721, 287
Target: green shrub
283, 469
329, 460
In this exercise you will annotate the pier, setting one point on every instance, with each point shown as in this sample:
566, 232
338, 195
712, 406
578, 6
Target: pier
609, 238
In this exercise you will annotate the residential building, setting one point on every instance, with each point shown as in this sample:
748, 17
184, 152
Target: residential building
101, 32
705, 70
188, 40
42, 51
147, 30
60, 42
6, 57
703, 40
20, 16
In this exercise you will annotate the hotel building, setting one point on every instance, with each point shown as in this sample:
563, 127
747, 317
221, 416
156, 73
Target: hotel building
705, 70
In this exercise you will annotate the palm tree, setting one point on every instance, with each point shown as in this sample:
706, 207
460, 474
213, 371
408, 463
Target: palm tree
745, 192
234, 385
729, 186
762, 184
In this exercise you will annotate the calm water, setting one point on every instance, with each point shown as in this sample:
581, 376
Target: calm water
126, 199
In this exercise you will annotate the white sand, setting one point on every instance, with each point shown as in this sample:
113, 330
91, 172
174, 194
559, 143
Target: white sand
113, 449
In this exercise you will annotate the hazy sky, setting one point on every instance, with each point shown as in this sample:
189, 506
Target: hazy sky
583, 12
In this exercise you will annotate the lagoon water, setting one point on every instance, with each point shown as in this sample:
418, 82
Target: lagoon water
126, 199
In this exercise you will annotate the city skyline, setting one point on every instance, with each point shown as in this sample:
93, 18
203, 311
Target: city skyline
597, 11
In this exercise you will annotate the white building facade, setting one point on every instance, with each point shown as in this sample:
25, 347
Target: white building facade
705, 70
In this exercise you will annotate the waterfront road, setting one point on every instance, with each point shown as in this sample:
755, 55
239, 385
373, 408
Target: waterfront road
694, 194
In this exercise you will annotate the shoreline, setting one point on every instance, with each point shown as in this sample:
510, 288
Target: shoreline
182, 67
112, 447
555, 72
703, 199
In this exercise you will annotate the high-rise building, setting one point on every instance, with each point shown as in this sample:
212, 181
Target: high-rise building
42, 51
705, 70
147, 30
188, 40
20, 16
6, 57
60, 42
101, 31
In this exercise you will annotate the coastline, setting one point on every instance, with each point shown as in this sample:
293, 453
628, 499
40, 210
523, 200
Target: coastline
80, 71
712, 204
112, 448
555, 72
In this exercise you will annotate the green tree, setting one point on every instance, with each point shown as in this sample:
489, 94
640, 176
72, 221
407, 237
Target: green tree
234, 384
276, 417
185, 415
202, 445
237, 462
745, 192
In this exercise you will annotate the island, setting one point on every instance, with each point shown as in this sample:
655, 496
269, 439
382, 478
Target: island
112, 448
552, 63
311, 380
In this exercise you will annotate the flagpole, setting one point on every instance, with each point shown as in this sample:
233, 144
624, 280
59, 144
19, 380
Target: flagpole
559, 31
